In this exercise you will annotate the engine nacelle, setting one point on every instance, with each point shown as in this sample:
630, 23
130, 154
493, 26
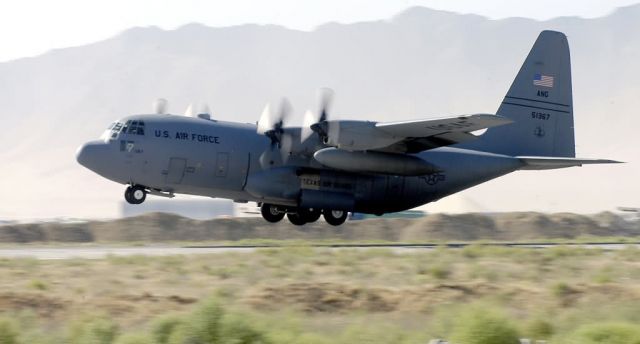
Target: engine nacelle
357, 135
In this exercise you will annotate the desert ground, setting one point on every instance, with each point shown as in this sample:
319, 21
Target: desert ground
299, 293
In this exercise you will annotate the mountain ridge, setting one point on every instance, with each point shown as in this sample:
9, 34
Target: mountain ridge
380, 70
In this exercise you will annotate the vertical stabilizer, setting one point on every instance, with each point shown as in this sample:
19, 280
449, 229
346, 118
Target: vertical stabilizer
540, 104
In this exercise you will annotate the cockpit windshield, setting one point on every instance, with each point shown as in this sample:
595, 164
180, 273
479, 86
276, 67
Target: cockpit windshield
131, 127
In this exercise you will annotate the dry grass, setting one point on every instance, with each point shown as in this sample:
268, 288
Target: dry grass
332, 293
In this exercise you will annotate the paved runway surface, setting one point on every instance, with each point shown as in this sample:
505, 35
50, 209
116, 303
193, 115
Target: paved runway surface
98, 252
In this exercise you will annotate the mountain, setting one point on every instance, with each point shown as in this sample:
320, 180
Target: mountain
420, 63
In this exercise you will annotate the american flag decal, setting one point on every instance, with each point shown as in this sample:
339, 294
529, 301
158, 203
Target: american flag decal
543, 80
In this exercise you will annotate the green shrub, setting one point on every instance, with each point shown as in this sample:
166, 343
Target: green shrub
98, 330
8, 332
38, 284
206, 321
235, 330
538, 329
606, 333
483, 326
163, 327
365, 334
439, 272
561, 290
203, 326
134, 338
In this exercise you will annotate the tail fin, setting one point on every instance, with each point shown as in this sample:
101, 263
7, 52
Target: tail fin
540, 104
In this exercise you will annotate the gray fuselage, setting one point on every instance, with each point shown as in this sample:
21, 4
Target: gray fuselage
185, 155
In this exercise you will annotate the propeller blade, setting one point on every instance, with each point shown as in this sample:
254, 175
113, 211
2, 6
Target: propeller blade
283, 115
204, 110
265, 123
270, 158
160, 106
286, 144
333, 133
326, 97
266, 159
189, 111
308, 120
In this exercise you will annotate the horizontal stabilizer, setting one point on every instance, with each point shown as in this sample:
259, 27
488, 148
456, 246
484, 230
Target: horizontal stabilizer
548, 163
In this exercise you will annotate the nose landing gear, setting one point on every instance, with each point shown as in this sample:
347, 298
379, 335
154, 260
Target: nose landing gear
135, 194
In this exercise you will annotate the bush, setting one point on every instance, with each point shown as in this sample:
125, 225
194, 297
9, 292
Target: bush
439, 272
235, 330
562, 290
162, 328
609, 333
8, 333
482, 326
136, 338
538, 328
204, 324
38, 284
93, 331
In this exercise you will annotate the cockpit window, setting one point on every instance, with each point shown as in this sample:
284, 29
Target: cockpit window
134, 127
115, 129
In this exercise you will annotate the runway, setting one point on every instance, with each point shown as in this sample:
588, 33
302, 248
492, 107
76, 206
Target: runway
101, 252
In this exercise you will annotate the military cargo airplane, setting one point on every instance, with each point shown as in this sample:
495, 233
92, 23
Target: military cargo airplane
331, 167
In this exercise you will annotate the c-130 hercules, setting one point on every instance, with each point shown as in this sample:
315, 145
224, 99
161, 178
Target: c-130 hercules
332, 167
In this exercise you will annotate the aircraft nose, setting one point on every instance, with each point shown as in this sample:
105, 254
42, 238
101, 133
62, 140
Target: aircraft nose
92, 154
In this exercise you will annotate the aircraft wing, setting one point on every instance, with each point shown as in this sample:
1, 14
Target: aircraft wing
420, 135
434, 127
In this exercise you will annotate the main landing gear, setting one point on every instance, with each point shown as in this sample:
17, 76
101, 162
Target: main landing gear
135, 194
300, 216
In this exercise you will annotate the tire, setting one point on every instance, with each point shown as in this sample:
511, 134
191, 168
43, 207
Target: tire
310, 215
135, 194
335, 217
127, 195
296, 219
270, 213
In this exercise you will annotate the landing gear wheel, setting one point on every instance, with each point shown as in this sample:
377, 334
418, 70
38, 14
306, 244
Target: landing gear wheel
310, 215
334, 217
296, 219
135, 194
271, 213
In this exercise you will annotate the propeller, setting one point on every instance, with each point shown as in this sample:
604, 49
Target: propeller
160, 106
272, 126
318, 122
204, 111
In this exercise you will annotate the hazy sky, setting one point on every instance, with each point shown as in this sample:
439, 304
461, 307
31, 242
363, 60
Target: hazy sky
31, 27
